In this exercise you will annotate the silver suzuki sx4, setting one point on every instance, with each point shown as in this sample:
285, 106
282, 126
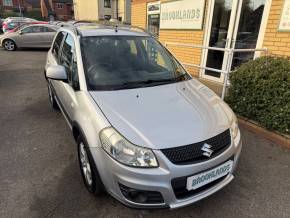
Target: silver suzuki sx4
147, 133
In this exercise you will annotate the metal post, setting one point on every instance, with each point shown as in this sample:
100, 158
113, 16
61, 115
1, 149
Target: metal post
230, 51
228, 70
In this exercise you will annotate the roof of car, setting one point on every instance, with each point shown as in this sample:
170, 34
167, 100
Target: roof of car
41, 24
93, 29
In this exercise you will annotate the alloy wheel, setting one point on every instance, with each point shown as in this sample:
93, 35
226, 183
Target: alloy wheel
85, 164
9, 45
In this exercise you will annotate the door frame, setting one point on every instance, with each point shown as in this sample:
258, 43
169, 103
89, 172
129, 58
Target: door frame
232, 34
152, 12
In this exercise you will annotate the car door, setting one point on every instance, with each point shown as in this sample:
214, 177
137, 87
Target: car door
53, 59
66, 90
29, 37
48, 34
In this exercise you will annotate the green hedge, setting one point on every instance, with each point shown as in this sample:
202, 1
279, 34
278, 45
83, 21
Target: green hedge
260, 91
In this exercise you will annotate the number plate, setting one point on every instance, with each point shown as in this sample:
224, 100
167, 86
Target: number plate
204, 178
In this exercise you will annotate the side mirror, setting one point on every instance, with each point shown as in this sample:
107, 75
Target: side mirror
20, 32
56, 72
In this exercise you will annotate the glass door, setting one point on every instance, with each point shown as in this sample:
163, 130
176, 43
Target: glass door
247, 30
232, 24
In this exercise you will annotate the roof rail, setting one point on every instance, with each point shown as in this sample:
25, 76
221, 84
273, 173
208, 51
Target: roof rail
81, 21
107, 23
125, 24
139, 28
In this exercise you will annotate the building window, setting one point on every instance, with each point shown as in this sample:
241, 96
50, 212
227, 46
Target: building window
59, 5
107, 3
7, 3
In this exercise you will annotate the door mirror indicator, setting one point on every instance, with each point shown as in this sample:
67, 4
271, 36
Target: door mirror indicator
56, 72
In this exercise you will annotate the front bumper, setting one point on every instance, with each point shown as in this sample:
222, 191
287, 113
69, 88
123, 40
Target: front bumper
159, 179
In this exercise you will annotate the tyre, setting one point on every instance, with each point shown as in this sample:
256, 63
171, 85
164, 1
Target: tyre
9, 45
52, 98
90, 175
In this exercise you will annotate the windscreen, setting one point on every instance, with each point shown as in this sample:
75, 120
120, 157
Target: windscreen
122, 62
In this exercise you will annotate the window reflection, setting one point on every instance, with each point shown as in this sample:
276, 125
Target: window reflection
248, 30
218, 35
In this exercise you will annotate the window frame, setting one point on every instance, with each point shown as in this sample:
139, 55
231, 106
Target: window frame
60, 45
70, 80
107, 4
8, 3
60, 5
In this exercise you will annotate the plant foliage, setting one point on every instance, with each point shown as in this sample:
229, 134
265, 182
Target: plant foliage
260, 91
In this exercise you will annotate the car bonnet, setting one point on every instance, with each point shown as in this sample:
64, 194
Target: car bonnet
167, 115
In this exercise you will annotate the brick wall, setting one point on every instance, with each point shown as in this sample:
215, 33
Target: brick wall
277, 42
186, 55
139, 13
64, 13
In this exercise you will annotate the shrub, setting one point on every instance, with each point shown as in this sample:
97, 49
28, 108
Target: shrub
260, 91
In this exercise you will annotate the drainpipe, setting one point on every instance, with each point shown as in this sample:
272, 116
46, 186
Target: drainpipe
20, 12
117, 8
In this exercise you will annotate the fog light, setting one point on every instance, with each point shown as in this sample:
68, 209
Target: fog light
137, 196
141, 196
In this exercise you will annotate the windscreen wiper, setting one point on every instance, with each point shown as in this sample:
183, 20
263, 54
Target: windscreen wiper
140, 84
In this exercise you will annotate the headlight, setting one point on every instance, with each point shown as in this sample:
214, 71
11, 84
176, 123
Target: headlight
234, 127
125, 152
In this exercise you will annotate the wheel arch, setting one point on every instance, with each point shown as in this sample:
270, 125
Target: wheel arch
8, 39
77, 131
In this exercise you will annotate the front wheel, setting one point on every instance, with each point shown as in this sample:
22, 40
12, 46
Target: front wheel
9, 45
88, 169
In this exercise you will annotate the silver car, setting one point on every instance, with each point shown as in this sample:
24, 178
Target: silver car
32, 36
146, 131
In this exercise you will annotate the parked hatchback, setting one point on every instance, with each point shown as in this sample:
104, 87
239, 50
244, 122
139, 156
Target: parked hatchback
21, 26
147, 132
12, 22
31, 36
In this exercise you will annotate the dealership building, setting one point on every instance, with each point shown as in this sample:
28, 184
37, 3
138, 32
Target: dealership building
224, 24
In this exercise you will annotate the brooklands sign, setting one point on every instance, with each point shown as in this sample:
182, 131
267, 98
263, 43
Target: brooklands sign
182, 14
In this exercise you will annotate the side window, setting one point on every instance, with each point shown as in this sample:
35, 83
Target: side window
27, 30
32, 29
36, 29
68, 60
47, 29
57, 44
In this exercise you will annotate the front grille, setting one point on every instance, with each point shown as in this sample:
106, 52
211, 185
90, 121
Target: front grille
189, 154
179, 185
